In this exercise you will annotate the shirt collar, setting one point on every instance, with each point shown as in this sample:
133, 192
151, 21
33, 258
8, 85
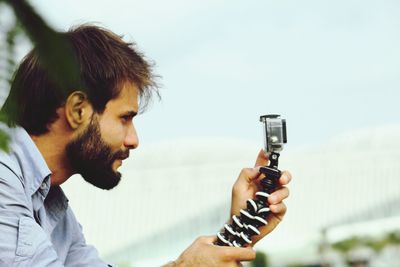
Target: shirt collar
31, 160
56, 205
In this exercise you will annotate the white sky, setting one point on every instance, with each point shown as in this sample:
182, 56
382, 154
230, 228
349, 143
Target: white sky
326, 66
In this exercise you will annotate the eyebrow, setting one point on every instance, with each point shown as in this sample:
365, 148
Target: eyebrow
130, 113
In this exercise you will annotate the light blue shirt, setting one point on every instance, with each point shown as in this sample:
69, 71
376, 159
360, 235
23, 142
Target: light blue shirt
37, 226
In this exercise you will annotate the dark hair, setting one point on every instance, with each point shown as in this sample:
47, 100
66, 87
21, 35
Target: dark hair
105, 61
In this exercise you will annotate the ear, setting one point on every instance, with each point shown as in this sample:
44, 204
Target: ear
78, 110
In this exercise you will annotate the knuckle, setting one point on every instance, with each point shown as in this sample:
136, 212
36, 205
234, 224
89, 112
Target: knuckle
283, 208
201, 239
284, 192
279, 195
288, 174
252, 255
226, 255
235, 189
245, 172
279, 208
287, 192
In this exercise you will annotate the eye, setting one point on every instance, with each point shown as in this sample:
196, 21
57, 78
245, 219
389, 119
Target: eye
126, 118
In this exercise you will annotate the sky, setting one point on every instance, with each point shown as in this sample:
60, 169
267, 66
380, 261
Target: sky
327, 67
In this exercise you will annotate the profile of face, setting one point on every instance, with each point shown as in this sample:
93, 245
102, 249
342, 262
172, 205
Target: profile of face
98, 151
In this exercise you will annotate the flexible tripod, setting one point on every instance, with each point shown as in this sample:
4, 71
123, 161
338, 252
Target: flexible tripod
245, 226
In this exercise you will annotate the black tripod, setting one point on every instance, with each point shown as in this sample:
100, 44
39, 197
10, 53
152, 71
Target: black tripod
245, 226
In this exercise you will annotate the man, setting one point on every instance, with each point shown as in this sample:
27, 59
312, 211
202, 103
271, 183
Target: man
87, 130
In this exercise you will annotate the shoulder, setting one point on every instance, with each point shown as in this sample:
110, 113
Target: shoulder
10, 171
9, 165
13, 198
5, 157
11, 182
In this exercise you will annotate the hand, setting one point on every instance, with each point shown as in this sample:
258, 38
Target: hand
248, 183
203, 252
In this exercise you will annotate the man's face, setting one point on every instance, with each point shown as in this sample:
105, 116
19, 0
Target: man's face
99, 150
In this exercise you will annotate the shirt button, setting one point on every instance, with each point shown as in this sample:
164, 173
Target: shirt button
43, 186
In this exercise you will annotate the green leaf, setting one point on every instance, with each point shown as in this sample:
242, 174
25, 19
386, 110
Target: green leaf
347, 244
4, 141
54, 50
261, 260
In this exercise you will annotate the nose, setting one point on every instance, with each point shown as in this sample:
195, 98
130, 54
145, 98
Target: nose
131, 140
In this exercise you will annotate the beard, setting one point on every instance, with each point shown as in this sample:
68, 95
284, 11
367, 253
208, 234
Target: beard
92, 158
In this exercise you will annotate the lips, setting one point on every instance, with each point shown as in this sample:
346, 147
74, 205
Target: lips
121, 155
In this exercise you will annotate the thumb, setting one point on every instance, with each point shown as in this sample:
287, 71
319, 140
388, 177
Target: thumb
209, 239
240, 254
262, 159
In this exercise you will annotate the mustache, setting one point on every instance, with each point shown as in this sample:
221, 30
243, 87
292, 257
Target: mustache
122, 154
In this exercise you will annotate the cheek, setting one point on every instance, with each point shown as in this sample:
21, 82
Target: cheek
113, 134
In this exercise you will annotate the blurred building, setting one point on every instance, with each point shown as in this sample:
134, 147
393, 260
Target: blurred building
173, 192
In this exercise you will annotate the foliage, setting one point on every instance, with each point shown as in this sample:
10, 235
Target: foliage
377, 244
4, 139
8, 48
393, 237
347, 244
261, 260
54, 51
9, 53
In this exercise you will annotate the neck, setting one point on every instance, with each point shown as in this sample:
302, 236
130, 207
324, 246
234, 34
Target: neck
52, 147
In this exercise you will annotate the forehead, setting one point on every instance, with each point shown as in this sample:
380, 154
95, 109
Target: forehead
126, 100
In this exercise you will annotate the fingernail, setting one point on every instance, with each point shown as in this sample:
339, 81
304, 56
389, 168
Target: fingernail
285, 178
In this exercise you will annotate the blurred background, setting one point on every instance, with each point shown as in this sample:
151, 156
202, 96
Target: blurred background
330, 68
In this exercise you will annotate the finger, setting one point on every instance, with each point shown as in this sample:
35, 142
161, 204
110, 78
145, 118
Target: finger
278, 211
239, 254
278, 196
249, 174
245, 180
278, 208
208, 239
262, 159
285, 178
